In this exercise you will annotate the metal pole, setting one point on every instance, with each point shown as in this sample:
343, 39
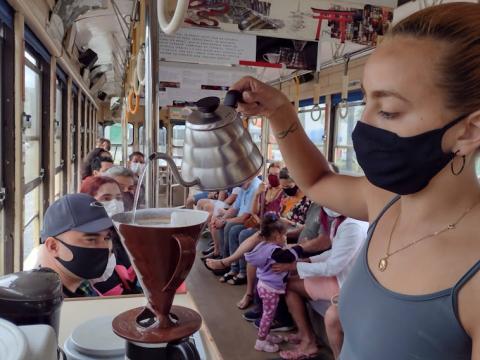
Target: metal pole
151, 99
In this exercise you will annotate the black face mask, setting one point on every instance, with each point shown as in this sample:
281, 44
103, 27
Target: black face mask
87, 263
291, 191
402, 165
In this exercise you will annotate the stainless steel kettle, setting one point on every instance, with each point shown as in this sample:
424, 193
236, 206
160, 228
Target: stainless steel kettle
218, 152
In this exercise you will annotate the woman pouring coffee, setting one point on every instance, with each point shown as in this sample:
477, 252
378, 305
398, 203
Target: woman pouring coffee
416, 283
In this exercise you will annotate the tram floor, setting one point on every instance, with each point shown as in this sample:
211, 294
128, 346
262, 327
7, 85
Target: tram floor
216, 302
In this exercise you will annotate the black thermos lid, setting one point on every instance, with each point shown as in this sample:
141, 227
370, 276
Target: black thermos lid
35, 285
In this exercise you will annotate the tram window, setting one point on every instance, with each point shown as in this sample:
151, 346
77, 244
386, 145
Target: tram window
31, 221
114, 134
58, 140
314, 124
274, 153
100, 131
32, 122
343, 152
162, 139
178, 137
255, 130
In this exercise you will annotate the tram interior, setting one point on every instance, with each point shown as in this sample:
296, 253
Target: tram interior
74, 72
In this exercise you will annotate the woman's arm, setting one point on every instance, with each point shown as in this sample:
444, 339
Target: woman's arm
345, 246
256, 204
344, 194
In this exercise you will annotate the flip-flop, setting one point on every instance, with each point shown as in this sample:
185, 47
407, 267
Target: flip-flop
217, 272
237, 280
296, 355
226, 277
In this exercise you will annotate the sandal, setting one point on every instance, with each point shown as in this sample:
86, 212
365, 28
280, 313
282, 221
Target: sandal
227, 277
245, 302
237, 280
264, 345
222, 263
297, 354
217, 272
293, 339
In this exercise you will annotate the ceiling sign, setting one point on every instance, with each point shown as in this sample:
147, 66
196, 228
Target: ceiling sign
189, 82
207, 47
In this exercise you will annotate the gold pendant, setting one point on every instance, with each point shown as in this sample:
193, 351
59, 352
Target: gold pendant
383, 263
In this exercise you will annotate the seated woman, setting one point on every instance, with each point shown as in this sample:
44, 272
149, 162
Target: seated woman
320, 278
86, 169
295, 204
119, 277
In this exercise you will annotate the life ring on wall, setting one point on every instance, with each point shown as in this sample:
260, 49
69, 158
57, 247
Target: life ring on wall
133, 108
170, 27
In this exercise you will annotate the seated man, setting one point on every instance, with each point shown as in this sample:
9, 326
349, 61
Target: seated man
320, 278
216, 206
227, 226
192, 200
126, 179
76, 242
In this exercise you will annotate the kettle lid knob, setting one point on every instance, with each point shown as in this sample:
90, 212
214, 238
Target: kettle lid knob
208, 105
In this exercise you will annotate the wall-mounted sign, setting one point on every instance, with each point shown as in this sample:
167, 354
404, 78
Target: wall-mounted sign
288, 19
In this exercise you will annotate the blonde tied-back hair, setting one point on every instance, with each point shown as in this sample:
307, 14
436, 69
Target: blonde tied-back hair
458, 26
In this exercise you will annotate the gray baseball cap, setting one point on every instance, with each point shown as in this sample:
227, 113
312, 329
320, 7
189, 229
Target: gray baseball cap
79, 212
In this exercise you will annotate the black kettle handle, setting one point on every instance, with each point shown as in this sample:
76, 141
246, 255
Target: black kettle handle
232, 98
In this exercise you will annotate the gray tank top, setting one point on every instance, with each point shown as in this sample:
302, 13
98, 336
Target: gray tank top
380, 324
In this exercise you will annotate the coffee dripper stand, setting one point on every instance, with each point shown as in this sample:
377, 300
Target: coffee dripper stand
161, 330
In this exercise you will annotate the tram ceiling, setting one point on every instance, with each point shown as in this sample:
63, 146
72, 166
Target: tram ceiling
102, 28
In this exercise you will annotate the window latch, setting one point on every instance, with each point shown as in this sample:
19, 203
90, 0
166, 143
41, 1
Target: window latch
3, 194
62, 163
74, 157
42, 173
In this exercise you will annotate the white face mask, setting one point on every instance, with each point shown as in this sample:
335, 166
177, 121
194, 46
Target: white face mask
113, 207
137, 167
331, 213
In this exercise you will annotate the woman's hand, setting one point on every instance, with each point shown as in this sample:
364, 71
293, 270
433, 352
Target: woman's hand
259, 98
261, 188
278, 267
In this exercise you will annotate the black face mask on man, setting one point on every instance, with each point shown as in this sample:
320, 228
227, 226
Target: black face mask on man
402, 165
87, 263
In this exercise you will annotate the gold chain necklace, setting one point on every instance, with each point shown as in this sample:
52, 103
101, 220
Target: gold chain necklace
383, 263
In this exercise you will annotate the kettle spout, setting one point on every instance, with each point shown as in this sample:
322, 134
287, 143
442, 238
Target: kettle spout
173, 167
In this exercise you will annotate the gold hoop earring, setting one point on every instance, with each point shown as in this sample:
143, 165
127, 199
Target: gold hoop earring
456, 173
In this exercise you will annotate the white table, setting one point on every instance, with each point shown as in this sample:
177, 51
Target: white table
78, 310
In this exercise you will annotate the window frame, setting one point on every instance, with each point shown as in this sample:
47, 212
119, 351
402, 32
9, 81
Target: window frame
323, 113
37, 68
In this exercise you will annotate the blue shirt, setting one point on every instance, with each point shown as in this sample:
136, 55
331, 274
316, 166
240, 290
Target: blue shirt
244, 200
